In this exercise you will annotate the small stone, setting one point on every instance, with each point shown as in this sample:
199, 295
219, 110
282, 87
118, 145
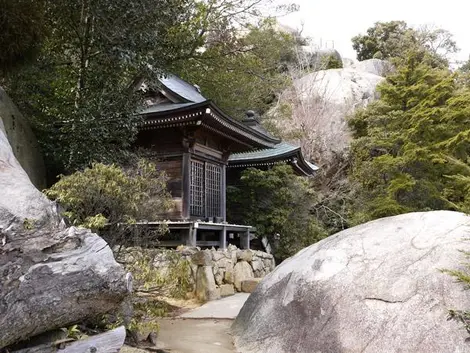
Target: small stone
202, 258
153, 338
241, 272
217, 255
228, 276
219, 277
187, 250
205, 284
269, 264
226, 290
259, 273
257, 265
234, 257
225, 263
215, 268
244, 255
249, 285
232, 248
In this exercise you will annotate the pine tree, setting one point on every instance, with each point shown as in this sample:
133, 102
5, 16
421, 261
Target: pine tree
404, 143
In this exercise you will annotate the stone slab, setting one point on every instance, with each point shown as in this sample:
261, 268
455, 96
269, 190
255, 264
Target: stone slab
225, 308
249, 285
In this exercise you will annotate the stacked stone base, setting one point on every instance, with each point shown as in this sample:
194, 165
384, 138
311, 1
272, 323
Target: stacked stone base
221, 273
213, 273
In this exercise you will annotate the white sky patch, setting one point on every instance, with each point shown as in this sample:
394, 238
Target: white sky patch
335, 22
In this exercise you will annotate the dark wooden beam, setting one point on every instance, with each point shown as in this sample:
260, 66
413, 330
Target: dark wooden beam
186, 184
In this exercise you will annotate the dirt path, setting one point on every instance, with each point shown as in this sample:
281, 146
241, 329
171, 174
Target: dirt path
203, 329
195, 336
190, 336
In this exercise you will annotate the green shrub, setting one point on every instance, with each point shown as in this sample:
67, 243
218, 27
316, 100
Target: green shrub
174, 282
279, 204
331, 62
109, 195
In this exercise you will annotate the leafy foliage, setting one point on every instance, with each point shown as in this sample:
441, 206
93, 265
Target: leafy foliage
395, 39
175, 283
279, 204
245, 72
410, 149
331, 62
82, 90
106, 194
23, 28
145, 305
462, 276
384, 39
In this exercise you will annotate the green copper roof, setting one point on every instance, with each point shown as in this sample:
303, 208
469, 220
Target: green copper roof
166, 107
279, 150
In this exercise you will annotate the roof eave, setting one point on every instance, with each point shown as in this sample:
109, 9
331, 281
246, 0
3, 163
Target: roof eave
284, 155
297, 161
271, 141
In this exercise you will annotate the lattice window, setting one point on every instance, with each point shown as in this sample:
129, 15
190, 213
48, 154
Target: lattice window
197, 188
213, 183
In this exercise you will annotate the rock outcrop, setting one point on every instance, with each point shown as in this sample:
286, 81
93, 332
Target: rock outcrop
377, 287
373, 66
320, 103
50, 276
22, 141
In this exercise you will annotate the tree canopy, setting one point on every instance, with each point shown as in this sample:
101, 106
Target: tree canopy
394, 39
22, 26
410, 148
246, 73
82, 90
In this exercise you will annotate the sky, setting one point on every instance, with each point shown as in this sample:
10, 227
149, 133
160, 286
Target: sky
335, 22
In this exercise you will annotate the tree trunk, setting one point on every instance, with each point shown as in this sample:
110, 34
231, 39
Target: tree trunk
51, 276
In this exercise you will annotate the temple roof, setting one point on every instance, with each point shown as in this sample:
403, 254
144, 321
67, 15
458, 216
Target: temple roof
279, 150
165, 107
282, 152
182, 89
183, 104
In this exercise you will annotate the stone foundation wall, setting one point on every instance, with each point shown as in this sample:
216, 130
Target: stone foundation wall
219, 273
214, 273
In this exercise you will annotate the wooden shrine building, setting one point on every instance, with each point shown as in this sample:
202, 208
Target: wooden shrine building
201, 149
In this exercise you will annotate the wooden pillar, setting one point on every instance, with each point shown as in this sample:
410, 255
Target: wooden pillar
188, 236
193, 235
245, 240
223, 196
186, 184
223, 238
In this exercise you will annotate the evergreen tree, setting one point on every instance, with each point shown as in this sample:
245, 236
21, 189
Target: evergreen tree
403, 143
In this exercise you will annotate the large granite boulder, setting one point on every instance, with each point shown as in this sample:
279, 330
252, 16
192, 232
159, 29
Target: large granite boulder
22, 140
51, 276
373, 66
319, 104
373, 288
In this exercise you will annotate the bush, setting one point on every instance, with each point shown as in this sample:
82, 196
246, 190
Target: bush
331, 61
461, 316
109, 195
278, 203
173, 281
